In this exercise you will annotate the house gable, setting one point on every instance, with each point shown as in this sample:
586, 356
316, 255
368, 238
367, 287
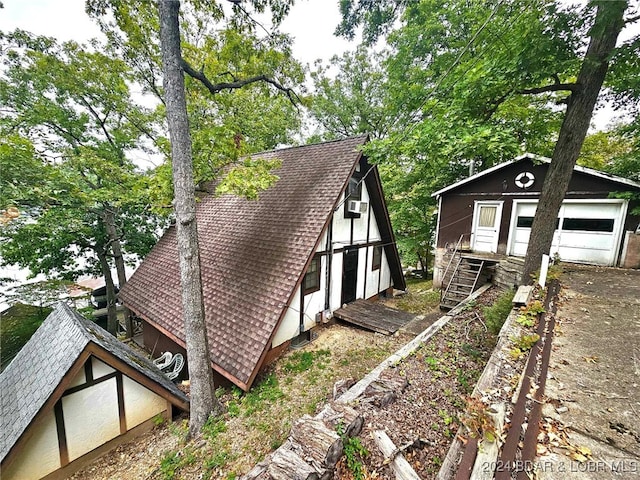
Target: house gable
74, 392
253, 254
457, 201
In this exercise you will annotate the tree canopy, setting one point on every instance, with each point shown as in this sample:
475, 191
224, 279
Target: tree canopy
466, 85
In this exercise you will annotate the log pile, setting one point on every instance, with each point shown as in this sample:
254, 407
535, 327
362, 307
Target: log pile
313, 448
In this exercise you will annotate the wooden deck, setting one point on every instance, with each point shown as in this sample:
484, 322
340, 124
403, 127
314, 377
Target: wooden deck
373, 316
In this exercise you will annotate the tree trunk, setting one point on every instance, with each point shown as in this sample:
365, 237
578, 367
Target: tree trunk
203, 399
116, 249
112, 314
607, 25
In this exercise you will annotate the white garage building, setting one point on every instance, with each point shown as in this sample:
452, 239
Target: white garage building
492, 212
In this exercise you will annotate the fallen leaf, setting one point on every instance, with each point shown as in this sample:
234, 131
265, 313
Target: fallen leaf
579, 457
584, 451
593, 359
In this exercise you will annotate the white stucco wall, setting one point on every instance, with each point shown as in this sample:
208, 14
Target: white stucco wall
335, 298
290, 326
100, 369
79, 379
140, 403
91, 417
39, 456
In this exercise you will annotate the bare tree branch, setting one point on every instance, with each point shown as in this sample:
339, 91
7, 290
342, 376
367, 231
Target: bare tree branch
218, 87
556, 87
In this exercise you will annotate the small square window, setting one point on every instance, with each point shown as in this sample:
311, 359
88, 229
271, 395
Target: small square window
311, 282
377, 257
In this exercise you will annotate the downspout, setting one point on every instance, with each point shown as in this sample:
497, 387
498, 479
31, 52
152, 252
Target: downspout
301, 308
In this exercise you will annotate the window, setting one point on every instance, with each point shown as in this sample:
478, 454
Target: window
588, 224
377, 257
352, 192
487, 216
354, 189
311, 282
526, 222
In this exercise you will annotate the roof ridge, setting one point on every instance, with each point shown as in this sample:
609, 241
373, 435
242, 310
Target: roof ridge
326, 142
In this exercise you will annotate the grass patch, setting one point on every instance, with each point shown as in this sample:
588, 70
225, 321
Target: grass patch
421, 297
302, 361
265, 393
496, 314
17, 325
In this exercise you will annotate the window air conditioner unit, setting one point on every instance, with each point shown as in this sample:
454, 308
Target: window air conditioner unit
356, 206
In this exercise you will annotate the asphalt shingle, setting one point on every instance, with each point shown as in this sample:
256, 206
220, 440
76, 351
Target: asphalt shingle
252, 253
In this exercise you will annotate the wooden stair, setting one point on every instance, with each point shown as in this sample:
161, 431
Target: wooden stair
462, 282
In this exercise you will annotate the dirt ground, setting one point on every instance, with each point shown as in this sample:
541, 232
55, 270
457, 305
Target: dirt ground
593, 390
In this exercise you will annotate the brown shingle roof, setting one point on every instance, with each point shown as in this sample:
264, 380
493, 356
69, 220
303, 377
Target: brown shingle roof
253, 254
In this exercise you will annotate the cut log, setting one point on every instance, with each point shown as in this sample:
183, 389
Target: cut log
398, 463
259, 472
286, 465
320, 447
342, 386
339, 413
384, 390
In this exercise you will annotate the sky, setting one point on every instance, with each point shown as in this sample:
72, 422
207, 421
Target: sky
311, 22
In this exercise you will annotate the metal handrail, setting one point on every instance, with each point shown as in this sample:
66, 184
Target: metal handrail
455, 250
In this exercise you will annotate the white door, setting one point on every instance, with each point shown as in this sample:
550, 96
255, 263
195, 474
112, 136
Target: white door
586, 231
486, 226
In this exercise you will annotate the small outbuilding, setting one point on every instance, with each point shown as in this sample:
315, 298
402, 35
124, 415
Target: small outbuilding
492, 212
274, 268
73, 393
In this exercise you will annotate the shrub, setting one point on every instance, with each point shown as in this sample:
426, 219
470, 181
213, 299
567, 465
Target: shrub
496, 314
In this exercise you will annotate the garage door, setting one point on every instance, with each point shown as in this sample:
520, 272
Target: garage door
586, 232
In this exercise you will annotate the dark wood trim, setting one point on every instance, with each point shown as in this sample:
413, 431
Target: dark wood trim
88, 371
121, 411
275, 352
351, 247
301, 308
62, 435
534, 195
90, 384
328, 265
351, 233
380, 273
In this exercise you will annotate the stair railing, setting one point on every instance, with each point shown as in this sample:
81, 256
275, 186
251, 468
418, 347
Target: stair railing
453, 255
443, 296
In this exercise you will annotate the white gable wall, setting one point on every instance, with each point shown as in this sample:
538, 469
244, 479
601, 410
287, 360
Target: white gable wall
90, 413
140, 403
376, 280
91, 417
39, 456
